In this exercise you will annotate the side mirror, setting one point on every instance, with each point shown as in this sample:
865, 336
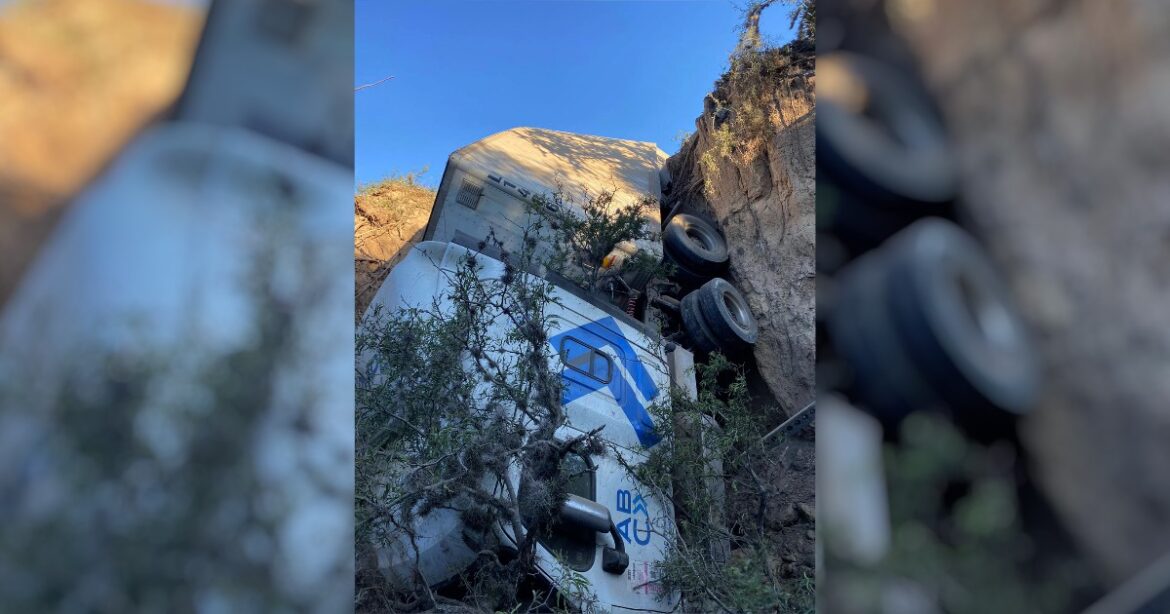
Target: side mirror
582, 512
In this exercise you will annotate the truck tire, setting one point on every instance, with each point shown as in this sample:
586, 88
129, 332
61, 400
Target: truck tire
893, 151
695, 243
702, 339
958, 320
937, 331
884, 377
726, 313
717, 317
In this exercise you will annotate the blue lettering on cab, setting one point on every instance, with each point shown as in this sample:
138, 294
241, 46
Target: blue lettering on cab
632, 505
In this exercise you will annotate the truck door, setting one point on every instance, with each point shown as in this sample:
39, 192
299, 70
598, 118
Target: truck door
606, 382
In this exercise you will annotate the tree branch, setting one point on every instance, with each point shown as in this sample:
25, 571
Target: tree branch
379, 82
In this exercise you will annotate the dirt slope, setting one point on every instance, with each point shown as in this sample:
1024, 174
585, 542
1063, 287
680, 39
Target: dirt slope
388, 216
78, 78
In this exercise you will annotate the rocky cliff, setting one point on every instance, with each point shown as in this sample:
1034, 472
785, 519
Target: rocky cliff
750, 165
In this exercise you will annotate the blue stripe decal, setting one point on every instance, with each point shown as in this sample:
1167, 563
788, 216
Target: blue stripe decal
608, 331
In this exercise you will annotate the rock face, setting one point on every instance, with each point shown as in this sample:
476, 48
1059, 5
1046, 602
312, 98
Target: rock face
1060, 114
750, 165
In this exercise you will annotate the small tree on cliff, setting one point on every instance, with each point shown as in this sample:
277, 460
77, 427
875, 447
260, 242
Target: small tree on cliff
583, 231
802, 18
749, 38
729, 554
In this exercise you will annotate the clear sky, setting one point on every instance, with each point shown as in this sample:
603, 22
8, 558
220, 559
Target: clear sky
465, 70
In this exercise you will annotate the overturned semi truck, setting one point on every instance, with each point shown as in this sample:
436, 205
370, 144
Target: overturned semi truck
619, 345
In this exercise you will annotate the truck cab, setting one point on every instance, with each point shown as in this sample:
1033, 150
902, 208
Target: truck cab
613, 366
611, 373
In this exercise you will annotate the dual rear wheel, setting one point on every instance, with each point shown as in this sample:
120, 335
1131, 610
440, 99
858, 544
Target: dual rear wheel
715, 315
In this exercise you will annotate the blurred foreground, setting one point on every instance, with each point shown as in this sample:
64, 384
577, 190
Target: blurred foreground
176, 427
78, 78
1054, 161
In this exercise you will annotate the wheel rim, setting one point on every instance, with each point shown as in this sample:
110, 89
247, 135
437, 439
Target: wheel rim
701, 237
985, 312
738, 310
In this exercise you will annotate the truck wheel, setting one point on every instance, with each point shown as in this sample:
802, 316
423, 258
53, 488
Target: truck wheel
695, 243
725, 311
701, 336
892, 147
938, 330
958, 318
884, 376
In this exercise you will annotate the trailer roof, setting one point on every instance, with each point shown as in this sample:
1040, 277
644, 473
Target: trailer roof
541, 160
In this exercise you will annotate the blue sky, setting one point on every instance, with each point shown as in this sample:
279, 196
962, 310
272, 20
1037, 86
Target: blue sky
464, 70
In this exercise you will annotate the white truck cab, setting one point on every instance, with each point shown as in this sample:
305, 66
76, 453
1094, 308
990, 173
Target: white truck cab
613, 365
612, 371
157, 253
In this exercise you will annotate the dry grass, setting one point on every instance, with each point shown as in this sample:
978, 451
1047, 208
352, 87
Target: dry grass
763, 92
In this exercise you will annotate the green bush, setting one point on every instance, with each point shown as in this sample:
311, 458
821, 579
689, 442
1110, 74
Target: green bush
715, 442
584, 231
